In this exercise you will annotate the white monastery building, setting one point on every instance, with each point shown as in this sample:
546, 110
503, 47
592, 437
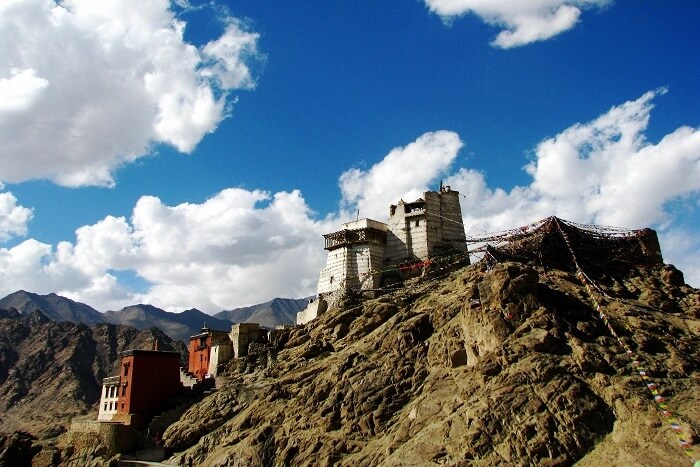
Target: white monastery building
361, 253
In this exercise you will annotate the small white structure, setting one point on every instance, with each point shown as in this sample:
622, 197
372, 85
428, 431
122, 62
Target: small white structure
313, 310
109, 399
221, 352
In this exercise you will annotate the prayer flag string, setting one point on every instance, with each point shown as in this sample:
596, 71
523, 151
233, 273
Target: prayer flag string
634, 359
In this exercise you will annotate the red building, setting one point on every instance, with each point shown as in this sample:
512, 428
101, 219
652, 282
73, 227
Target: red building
146, 380
202, 361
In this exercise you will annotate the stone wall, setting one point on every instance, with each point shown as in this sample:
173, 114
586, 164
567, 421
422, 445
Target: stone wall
351, 266
220, 353
335, 271
452, 233
312, 311
242, 335
115, 437
396, 239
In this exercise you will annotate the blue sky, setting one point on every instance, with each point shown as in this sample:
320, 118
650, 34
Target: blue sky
191, 154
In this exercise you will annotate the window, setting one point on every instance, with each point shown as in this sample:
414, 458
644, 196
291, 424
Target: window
417, 222
105, 409
122, 405
124, 390
126, 369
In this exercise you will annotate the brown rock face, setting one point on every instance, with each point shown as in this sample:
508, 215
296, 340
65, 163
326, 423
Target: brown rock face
51, 372
508, 366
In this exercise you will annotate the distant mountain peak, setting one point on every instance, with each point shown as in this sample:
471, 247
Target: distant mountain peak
273, 313
53, 307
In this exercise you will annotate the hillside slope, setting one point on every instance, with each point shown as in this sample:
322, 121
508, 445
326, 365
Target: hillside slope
51, 372
510, 366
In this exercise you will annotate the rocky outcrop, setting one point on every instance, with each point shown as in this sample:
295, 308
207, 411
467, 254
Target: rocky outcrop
503, 366
17, 449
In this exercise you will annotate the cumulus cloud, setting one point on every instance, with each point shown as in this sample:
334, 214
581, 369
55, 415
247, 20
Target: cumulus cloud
238, 247
603, 171
13, 217
523, 22
403, 173
86, 87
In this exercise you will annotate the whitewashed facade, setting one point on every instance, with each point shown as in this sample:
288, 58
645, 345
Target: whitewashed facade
416, 231
109, 399
355, 256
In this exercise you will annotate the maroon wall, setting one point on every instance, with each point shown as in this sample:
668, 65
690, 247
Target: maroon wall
151, 379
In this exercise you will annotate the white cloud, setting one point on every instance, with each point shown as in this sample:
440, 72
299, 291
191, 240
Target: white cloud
13, 217
86, 86
21, 90
523, 22
238, 247
403, 173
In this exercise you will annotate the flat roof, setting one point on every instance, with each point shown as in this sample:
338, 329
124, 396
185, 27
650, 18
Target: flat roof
365, 223
163, 353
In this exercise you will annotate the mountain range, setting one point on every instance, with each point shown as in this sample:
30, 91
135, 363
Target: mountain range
54, 307
278, 311
179, 326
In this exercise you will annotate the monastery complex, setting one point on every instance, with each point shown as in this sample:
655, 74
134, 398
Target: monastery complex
363, 255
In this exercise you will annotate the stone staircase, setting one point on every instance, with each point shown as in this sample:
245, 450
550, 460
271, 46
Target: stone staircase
187, 379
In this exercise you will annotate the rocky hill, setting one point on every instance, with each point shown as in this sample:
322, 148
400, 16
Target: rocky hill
52, 371
179, 326
276, 312
508, 365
